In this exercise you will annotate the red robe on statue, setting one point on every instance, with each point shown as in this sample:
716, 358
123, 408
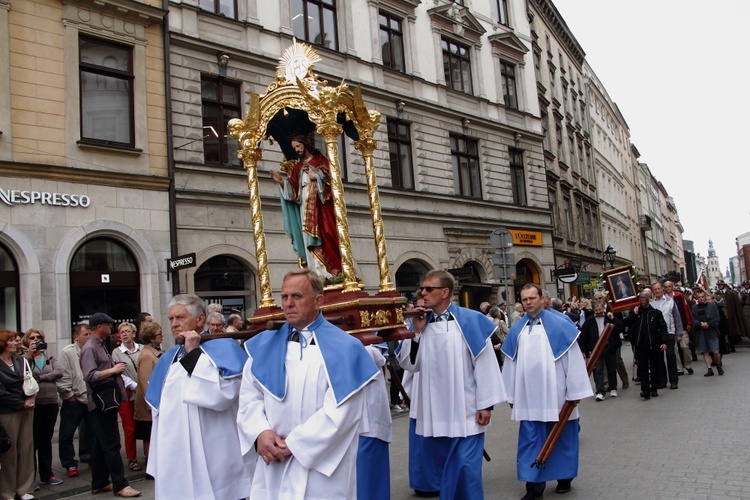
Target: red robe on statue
319, 219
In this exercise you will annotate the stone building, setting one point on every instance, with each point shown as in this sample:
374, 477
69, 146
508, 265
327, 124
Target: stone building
84, 207
460, 142
569, 166
616, 174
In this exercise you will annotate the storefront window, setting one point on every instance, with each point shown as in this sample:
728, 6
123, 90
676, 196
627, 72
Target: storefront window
9, 305
227, 281
104, 277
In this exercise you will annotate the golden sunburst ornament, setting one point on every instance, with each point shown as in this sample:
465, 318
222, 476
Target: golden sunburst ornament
297, 61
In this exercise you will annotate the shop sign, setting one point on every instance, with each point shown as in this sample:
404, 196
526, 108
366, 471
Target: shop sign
527, 238
21, 197
181, 262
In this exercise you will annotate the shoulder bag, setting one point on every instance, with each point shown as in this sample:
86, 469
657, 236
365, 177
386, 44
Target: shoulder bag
30, 385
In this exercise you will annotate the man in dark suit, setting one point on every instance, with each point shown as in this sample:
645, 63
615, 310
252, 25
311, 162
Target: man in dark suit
590, 331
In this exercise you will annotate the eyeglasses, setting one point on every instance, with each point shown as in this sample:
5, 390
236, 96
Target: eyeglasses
429, 289
35, 337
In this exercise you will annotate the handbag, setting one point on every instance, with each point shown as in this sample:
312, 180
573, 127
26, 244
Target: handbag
4, 440
107, 395
30, 385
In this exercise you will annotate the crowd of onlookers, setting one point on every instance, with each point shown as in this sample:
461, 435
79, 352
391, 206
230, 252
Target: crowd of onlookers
28, 416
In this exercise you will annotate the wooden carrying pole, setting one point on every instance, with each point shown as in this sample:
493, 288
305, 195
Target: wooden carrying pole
567, 409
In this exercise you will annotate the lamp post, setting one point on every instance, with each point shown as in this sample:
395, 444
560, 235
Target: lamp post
610, 254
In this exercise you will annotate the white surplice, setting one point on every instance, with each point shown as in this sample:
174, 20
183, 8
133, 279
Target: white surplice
448, 386
195, 451
376, 417
537, 385
321, 436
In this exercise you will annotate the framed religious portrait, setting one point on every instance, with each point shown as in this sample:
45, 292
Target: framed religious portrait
621, 288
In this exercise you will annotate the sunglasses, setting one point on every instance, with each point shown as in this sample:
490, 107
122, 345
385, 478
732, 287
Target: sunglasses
429, 289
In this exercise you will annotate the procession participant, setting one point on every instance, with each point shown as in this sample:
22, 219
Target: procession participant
675, 329
456, 383
682, 348
194, 450
590, 333
729, 301
301, 401
307, 208
543, 353
373, 462
706, 323
648, 333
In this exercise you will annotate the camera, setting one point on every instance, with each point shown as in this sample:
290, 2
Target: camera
41, 346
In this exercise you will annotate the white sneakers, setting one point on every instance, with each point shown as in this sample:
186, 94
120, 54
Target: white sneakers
600, 396
612, 394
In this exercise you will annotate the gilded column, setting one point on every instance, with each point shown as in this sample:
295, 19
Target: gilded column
366, 147
331, 132
251, 156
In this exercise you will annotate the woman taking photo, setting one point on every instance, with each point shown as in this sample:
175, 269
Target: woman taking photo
128, 353
17, 416
46, 370
151, 336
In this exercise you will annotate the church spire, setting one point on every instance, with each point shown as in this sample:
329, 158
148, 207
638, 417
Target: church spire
711, 251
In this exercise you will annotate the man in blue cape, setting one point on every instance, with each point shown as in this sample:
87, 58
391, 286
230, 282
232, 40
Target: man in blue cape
545, 368
302, 400
193, 392
456, 381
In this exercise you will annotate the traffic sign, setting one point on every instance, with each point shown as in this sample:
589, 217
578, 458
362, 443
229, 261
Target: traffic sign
501, 239
508, 259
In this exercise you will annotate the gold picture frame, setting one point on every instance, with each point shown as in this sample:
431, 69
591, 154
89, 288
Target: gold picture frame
621, 288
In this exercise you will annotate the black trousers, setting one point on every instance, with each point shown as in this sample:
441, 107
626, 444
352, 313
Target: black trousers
71, 415
670, 374
648, 367
45, 416
608, 359
105, 455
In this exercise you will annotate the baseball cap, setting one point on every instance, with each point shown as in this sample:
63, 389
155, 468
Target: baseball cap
97, 319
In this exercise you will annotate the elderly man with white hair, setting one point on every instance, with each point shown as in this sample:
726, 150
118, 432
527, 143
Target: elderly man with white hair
193, 392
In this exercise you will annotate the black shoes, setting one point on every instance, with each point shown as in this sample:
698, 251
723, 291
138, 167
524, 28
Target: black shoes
645, 395
673, 386
690, 370
563, 486
720, 369
663, 385
654, 394
709, 373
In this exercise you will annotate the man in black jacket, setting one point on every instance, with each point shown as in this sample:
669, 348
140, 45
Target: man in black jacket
590, 331
648, 332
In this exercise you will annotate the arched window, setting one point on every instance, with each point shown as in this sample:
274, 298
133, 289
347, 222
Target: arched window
409, 277
227, 281
104, 277
9, 304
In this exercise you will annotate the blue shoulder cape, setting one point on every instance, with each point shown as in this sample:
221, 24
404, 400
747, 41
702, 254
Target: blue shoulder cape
561, 333
226, 354
347, 364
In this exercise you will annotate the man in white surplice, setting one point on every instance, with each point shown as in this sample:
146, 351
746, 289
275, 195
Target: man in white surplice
193, 392
544, 368
302, 400
456, 383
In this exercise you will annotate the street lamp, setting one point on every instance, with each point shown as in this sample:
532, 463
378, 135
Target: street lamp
610, 254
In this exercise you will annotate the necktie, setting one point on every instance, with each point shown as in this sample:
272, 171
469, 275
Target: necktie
446, 316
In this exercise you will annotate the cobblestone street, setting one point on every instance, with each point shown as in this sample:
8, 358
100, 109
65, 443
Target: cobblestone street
687, 443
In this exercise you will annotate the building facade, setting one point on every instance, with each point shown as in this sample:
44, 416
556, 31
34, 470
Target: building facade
569, 166
84, 209
460, 139
616, 178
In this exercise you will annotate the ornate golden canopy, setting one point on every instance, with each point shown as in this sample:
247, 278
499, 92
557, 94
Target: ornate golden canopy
296, 99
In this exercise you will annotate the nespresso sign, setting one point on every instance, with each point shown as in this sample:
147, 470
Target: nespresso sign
19, 197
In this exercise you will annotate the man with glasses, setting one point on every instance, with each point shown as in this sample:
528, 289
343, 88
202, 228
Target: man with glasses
455, 384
